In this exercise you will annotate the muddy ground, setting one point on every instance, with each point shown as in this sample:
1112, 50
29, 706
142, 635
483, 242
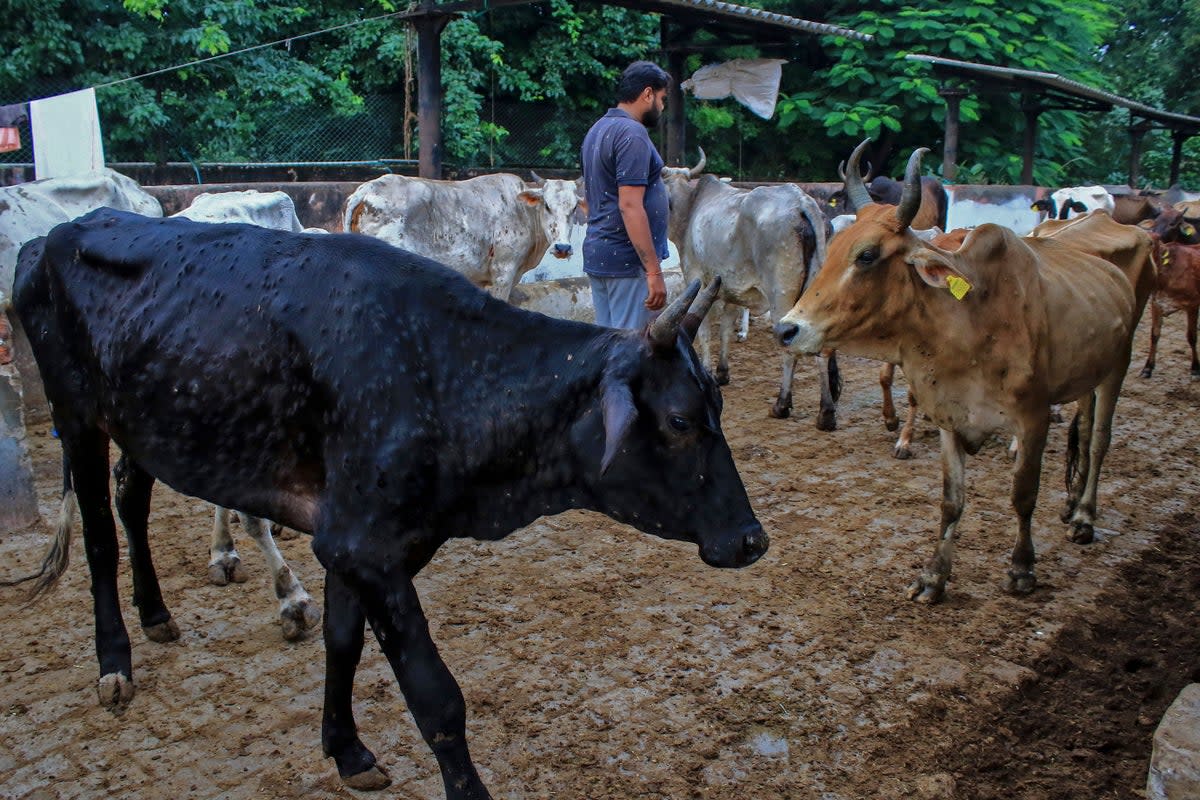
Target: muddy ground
598, 662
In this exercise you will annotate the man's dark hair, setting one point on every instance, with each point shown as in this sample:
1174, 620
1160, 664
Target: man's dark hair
637, 76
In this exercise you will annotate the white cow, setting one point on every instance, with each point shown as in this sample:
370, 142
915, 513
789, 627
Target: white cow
297, 610
493, 229
1075, 200
30, 210
765, 244
266, 209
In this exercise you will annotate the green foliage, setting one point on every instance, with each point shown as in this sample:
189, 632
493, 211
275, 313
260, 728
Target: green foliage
522, 83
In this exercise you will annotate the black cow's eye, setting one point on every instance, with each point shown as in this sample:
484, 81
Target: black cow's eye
868, 256
679, 423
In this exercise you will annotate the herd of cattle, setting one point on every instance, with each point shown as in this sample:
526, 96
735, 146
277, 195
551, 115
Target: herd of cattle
393, 405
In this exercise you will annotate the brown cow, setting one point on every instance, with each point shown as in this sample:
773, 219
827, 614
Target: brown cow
1130, 209
989, 337
1178, 289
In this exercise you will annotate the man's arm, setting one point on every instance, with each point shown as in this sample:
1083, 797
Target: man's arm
633, 214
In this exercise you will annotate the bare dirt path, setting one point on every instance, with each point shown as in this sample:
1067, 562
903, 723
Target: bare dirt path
598, 662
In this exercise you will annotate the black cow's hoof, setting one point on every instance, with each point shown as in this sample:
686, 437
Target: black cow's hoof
1082, 533
115, 691
781, 410
163, 632
1020, 582
1147, 372
369, 780
722, 377
827, 421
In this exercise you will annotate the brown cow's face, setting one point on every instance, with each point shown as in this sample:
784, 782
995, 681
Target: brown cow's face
874, 272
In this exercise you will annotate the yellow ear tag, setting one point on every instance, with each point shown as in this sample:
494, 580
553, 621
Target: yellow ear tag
833, 202
958, 286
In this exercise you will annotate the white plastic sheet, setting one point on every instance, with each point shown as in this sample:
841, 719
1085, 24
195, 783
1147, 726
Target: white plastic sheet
66, 135
753, 82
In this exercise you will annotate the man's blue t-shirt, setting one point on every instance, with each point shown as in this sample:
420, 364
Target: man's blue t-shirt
617, 151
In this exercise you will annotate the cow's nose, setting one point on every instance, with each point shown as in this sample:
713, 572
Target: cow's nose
785, 332
562, 250
754, 544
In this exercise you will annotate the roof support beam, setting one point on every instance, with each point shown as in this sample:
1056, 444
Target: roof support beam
676, 120
429, 93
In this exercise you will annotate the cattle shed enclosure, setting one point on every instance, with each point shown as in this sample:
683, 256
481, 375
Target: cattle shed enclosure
681, 20
1048, 91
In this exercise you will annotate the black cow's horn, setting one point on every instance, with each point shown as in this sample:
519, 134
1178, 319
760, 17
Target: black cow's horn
535, 179
699, 309
695, 171
910, 201
856, 190
664, 330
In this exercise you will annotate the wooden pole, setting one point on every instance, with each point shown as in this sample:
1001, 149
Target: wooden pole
676, 122
1031, 135
1136, 133
952, 96
1178, 137
429, 93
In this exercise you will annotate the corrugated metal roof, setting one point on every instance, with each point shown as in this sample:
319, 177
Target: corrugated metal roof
745, 13
1056, 82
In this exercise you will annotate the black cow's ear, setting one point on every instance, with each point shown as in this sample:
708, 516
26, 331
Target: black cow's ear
616, 401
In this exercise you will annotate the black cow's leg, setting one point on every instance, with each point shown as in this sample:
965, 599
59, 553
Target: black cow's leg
344, 631
87, 451
134, 486
433, 696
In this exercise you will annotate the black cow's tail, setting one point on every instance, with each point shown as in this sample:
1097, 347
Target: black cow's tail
835, 377
58, 554
1072, 452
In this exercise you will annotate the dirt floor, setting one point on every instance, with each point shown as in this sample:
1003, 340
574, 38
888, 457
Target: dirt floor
598, 662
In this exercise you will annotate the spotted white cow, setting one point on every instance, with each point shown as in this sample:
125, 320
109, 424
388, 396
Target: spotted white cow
30, 210
1075, 200
493, 229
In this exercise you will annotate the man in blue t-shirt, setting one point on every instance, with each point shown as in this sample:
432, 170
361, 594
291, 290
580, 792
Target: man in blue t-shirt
626, 239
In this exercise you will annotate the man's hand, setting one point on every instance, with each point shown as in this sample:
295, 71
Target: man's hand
656, 296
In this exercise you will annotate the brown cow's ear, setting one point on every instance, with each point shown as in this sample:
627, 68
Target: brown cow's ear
935, 269
616, 403
531, 196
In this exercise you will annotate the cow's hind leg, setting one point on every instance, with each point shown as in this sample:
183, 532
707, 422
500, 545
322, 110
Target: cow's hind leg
930, 585
344, 633
224, 563
87, 451
1156, 315
1026, 480
1079, 453
1191, 340
725, 313
887, 376
1084, 519
134, 487
297, 611
831, 389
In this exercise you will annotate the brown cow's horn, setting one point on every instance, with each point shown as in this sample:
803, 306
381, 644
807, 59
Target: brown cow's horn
695, 171
910, 201
856, 190
664, 330
699, 309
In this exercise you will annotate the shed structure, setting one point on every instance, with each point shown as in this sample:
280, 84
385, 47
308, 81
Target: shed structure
682, 21
1048, 91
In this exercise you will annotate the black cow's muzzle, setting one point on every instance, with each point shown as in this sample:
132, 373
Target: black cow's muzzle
562, 250
739, 550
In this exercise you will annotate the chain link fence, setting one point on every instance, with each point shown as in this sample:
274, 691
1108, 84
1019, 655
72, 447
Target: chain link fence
518, 135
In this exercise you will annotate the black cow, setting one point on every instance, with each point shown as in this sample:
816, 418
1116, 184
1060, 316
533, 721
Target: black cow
394, 406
